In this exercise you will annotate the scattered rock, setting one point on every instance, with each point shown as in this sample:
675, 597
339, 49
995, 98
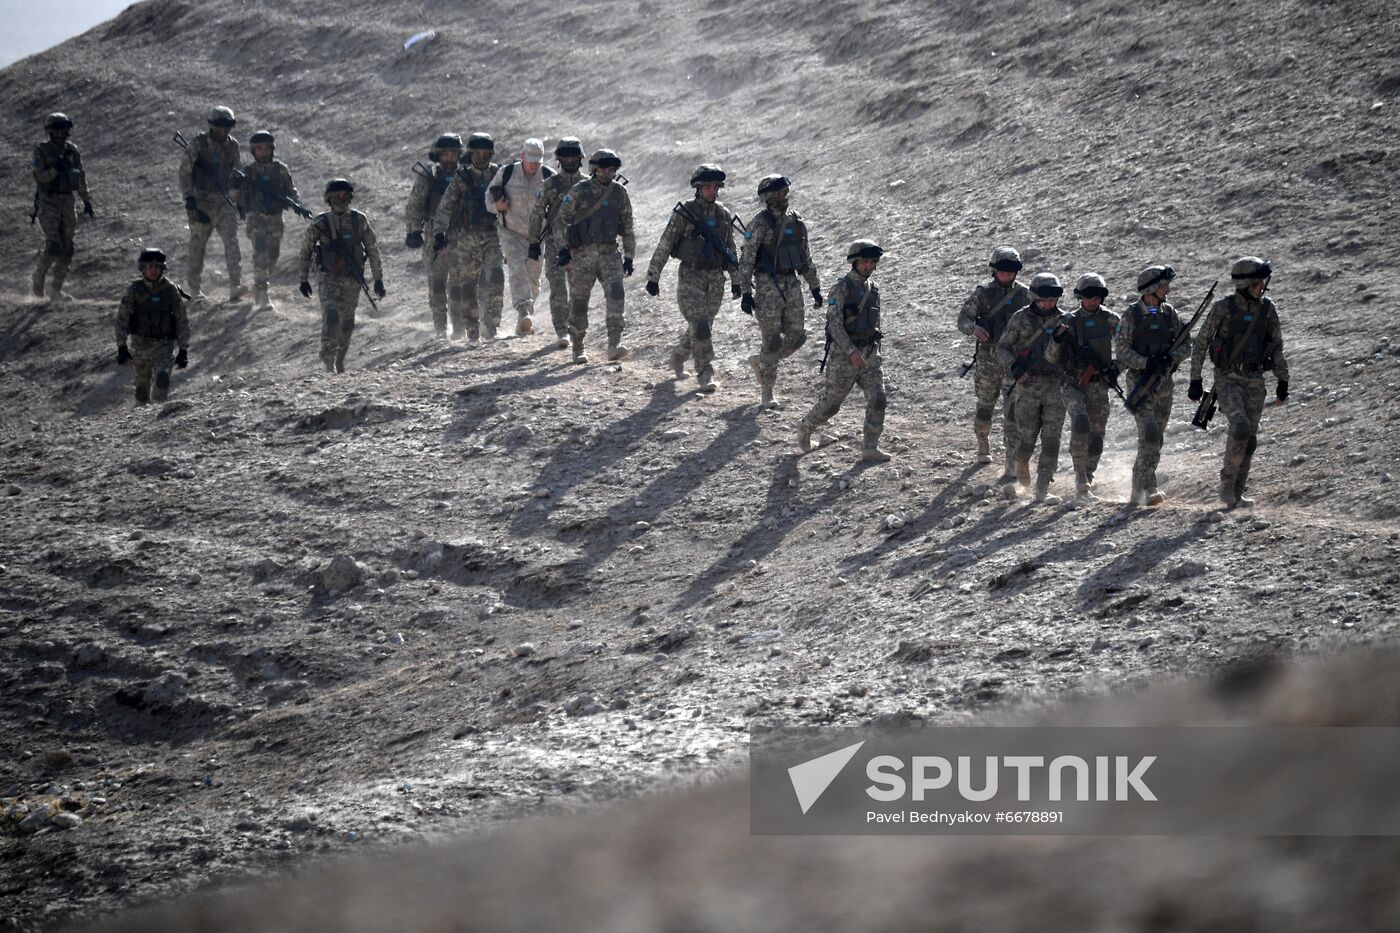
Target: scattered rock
894, 522
342, 574
912, 652
1186, 570
37, 819
66, 820
523, 650
584, 705
11, 489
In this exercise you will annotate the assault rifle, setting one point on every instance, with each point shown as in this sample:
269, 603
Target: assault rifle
709, 236
355, 269
968, 366
297, 207
1097, 367
767, 267
1152, 377
220, 185
1204, 411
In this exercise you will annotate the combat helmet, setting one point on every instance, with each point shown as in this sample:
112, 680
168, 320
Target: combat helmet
604, 158
221, 116
1045, 285
568, 146
1150, 278
262, 138
481, 141
707, 174
445, 141
772, 184
1005, 259
149, 255
864, 249
338, 184
1249, 270
1091, 285
56, 122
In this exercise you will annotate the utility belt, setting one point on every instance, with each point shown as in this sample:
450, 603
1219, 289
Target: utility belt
1250, 369
706, 265
866, 342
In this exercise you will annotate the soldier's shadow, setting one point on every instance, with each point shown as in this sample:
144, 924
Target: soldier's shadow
1132, 565
936, 510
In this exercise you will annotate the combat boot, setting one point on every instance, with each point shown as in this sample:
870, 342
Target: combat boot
1228, 498
707, 381
474, 336
755, 364
678, 364
804, 435
36, 282
1244, 502
237, 293
562, 342
1154, 498
340, 361
1043, 493
579, 355
440, 333
56, 292
1023, 471
162, 389
1083, 493
260, 300
524, 326
143, 394
766, 399
984, 449
618, 352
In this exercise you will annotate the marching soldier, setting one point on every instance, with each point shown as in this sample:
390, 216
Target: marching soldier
594, 213
1143, 344
266, 191
58, 175
984, 317
150, 324
1030, 351
476, 284
1089, 371
511, 197
341, 240
212, 165
1243, 339
547, 239
423, 201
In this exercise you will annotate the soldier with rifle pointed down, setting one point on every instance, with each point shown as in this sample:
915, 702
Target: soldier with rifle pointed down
151, 324
700, 235
340, 240
1243, 339
264, 192
465, 234
1089, 373
429, 185
1030, 350
209, 172
594, 214
546, 239
58, 177
984, 317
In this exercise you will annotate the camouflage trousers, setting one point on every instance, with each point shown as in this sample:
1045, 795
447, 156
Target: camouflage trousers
593, 263
1039, 408
1241, 400
841, 377
476, 283
780, 322
339, 296
988, 378
58, 217
439, 269
265, 233
1152, 416
699, 293
558, 279
150, 362
224, 220
523, 271
1088, 418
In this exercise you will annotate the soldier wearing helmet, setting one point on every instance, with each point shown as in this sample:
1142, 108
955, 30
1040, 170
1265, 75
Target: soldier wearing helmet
423, 201
775, 254
151, 323
1143, 346
1030, 351
266, 191
594, 213
984, 317
465, 230
512, 194
546, 241
340, 240
1243, 339
209, 178
59, 181
852, 352
700, 235
1089, 371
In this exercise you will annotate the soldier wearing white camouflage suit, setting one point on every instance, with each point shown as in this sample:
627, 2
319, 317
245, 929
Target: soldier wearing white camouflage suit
511, 196
547, 237
466, 231
58, 175
340, 240
1243, 339
853, 354
1143, 346
700, 282
594, 213
150, 324
984, 317
1030, 351
208, 179
775, 254
1089, 370
265, 192
423, 201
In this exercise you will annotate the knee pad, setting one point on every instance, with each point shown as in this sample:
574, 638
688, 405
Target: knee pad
1152, 433
162, 380
879, 401
1240, 430
1024, 450
800, 339
1050, 450
1249, 447
615, 290
69, 249
1095, 444
55, 248
702, 330
775, 343
496, 276
469, 292
1079, 424
333, 317
984, 412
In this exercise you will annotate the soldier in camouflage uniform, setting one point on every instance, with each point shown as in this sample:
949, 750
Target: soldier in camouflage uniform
1243, 339
853, 352
341, 239
1030, 352
265, 192
546, 236
208, 176
1089, 370
594, 213
984, 317
476, 288
150, 324
700, 282
775, 254
423, 201
1143, 344
58, 175
512, 195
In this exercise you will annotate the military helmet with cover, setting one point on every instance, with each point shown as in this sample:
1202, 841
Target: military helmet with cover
707, 174
339, 184
1091, 285
262, 138
481, 141
447, 141
1250, 270
221, 116
1045, 285
568, 146
863, 249
773, 184
55, 122
605, 158
1153, 277
148, 256
1005, 259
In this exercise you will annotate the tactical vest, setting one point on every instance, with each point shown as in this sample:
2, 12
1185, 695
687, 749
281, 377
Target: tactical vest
1153, 334
1093, 333
441, 179
69, 177
267, 188
1045, 327
341, 255
1254, 354
472, 208
153, 313
788, 253
211, 169
860, 314
1000, 315
692, 249
602, 222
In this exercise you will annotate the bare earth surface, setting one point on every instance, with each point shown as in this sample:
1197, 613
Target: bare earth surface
288, 616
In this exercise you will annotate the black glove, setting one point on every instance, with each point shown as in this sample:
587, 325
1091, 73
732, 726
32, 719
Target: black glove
653, 288
305, 288
192, 208
242, 214
746, 304
816, 297
123, 355
565, 257
533, 252
182, 359
414, 240
733, 290
1061, 332
626, 266
87, 209
1281, 393
1110, 372
439, 241
1158, 363
379, 288
1196, 391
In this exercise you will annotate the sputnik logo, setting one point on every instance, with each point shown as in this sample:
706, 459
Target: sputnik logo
811, 778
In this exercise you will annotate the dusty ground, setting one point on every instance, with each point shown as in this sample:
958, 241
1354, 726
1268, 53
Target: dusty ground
286, 615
